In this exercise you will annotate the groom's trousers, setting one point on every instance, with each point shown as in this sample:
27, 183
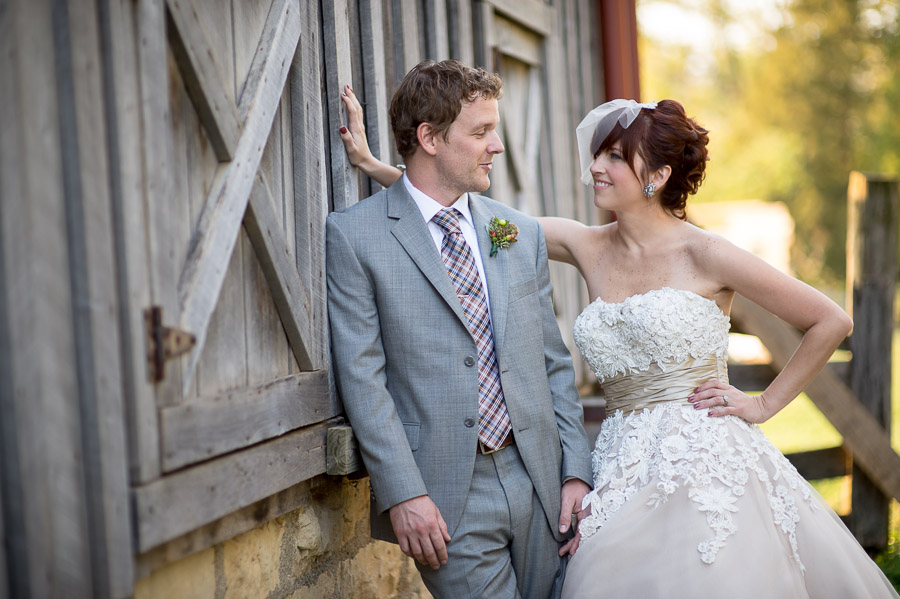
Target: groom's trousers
503, 547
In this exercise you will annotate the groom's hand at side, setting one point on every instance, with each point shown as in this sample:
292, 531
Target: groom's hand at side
573, 491
421, 530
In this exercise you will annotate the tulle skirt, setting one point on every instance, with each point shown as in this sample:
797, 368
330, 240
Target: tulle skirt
690, 506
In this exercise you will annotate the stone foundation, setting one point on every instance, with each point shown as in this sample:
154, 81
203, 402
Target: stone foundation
321, 550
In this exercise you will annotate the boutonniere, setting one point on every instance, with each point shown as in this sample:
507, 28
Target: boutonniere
503, 234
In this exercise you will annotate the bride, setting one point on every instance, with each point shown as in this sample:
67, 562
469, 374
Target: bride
690, 498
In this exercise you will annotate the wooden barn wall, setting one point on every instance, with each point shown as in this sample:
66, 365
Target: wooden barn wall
182, 156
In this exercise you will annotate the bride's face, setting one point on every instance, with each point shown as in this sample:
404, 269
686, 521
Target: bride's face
615, 184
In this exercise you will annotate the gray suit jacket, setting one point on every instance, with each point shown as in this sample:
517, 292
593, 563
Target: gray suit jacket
403, 356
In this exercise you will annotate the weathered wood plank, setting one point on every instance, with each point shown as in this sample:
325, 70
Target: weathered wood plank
92, 246
532, 13
461, 41
179, 211
408, 44
251, 20
243, 417
285, 285
186, 500
863, 436
518, 42
310, 180
375, 88
338, 72
872, 211
217, 232
15, 580
203, 78
223, 362
53, 535
437, 43
267, 346
148, 181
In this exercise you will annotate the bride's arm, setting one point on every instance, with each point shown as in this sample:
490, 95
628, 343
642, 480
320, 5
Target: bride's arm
565, 237
824, 322
357, 145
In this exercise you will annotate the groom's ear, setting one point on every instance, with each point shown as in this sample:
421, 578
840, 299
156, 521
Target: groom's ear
425, 134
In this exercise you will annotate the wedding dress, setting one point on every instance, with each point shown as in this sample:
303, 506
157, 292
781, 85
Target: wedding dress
685, 505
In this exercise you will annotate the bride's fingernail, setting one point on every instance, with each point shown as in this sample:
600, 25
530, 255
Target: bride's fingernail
696, 406
343, 130
690, 397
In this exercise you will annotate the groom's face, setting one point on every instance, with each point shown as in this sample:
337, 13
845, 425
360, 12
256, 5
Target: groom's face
465, 159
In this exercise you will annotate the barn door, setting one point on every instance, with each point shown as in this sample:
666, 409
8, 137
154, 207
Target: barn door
226, 260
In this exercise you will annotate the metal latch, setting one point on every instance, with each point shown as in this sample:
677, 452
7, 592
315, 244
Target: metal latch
163, 343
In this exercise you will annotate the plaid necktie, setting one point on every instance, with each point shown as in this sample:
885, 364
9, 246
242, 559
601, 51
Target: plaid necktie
493, 422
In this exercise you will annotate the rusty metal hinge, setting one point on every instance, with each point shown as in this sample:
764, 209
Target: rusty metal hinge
163, 343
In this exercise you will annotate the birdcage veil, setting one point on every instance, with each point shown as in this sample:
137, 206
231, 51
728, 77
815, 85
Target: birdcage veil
594, 128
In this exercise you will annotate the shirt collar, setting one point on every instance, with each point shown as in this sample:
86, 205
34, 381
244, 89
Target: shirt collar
428, 206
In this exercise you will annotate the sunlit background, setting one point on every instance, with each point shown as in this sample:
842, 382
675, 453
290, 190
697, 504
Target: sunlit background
795, 95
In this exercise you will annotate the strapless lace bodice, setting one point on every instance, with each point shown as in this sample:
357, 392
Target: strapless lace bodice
665, 327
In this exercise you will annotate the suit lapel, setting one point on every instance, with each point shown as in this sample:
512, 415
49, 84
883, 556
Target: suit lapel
496, 270
413, 234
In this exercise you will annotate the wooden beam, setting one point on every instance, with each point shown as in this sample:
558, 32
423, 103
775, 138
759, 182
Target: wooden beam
203, 79
821, 463
872, 213
342, 451
618, 24
280, 270
236, 419
217, 232
186, 500
863, 436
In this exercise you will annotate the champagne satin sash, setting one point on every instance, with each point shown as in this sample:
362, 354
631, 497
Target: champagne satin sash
639, 391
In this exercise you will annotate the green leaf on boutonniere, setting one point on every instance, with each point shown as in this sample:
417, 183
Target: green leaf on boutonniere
503, 234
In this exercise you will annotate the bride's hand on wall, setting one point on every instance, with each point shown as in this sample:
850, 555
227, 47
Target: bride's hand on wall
354, 133
357, 145
721, 399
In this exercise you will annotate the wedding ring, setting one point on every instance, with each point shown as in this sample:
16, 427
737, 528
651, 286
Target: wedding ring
725, 400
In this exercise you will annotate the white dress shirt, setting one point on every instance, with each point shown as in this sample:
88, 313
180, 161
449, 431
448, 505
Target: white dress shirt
428, 206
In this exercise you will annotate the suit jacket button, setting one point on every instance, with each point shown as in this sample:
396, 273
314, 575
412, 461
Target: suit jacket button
469, 361
469, 422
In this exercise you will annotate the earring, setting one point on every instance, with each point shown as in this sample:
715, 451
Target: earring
650, 189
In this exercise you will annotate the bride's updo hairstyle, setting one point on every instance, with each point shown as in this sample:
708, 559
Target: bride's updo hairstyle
665, 136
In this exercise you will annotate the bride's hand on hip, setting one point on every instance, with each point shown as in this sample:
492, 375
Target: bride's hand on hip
721, 399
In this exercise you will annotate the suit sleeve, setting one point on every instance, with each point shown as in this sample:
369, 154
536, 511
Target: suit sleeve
576, 461
359, 366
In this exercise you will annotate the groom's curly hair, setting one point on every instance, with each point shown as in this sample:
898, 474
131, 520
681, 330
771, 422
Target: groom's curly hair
434, 92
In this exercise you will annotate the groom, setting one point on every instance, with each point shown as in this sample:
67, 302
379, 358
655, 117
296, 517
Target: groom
448, 356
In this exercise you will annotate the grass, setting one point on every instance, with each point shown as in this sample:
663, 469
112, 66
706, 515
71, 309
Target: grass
802, 427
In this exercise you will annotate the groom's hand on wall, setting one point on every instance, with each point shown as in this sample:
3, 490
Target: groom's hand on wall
421, 531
